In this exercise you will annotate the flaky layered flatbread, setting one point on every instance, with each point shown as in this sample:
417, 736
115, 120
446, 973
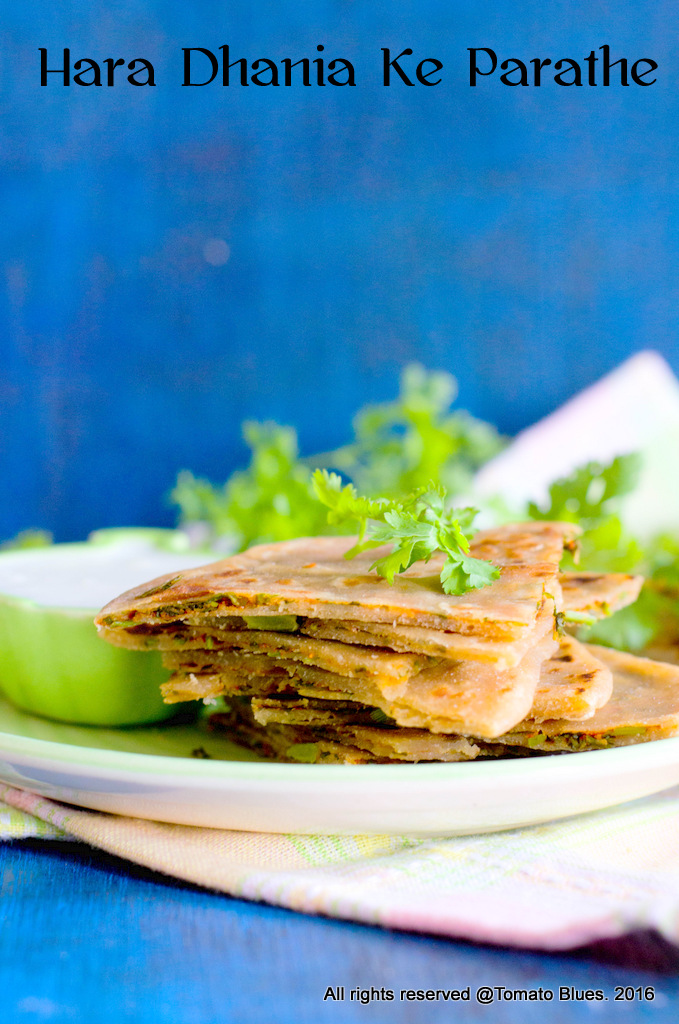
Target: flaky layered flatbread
644, 706
312, 650
596, 595
472, 700
344, 744
574, 683
311, 577
344, 659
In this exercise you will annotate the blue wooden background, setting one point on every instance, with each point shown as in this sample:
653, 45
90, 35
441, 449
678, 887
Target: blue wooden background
523, 238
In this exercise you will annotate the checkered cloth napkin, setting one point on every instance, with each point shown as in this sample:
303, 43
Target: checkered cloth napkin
551, 886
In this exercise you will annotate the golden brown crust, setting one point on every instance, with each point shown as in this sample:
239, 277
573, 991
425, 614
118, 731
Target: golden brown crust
598, 594
644, 706
311, 577
340, 744
574, 684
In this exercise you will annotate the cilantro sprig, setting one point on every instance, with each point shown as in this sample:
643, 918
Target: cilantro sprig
271, 500
591, 497
400, 445
418, 526
396, 447
586, 495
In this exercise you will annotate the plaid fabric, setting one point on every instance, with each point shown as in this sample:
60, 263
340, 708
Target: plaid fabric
16, 824
550, 886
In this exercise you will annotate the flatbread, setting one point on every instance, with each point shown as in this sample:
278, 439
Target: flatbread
297, 710
285, 743
453, 697
591, 594
644, 706
345, 745
574, 683
436, 643
311, 577
597, 595
469, 699
344, 659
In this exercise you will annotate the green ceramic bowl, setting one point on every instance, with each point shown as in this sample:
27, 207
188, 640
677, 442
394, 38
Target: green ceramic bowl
52, 661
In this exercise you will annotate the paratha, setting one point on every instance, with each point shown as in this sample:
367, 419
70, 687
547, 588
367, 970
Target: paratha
467, 699
308, 648
597, 595
311, 577
644, 706
344, 659
350, 744
574, 683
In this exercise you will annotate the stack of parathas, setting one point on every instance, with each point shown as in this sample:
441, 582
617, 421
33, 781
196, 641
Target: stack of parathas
320, 659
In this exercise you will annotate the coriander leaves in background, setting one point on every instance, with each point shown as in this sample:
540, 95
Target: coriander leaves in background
397, 448
586, 494
271, 500
401, 445
591, 497
418, 526
653, 620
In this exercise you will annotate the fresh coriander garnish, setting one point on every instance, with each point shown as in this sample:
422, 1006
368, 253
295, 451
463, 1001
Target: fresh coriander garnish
417, 526
591, 497
397, 446
400, 445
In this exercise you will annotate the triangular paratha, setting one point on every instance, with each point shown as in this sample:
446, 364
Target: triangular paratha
311, 577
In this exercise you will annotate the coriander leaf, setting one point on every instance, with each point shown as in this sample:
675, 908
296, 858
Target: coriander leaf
463, 573
398, 561
654, 617
401, 445
584, 496
398, 447
342, 499
591, 497
629, 629
271, 500
418, 526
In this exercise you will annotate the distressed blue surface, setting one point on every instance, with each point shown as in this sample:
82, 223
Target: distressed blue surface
523, 238
85, 940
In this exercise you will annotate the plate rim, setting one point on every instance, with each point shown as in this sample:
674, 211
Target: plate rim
212, 770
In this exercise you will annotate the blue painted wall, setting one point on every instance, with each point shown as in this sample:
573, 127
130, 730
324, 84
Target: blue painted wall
525, 239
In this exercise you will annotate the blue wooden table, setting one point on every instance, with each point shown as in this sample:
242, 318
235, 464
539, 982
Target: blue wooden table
86, 937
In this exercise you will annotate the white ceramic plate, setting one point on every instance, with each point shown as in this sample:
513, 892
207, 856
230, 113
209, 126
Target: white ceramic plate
150, 773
